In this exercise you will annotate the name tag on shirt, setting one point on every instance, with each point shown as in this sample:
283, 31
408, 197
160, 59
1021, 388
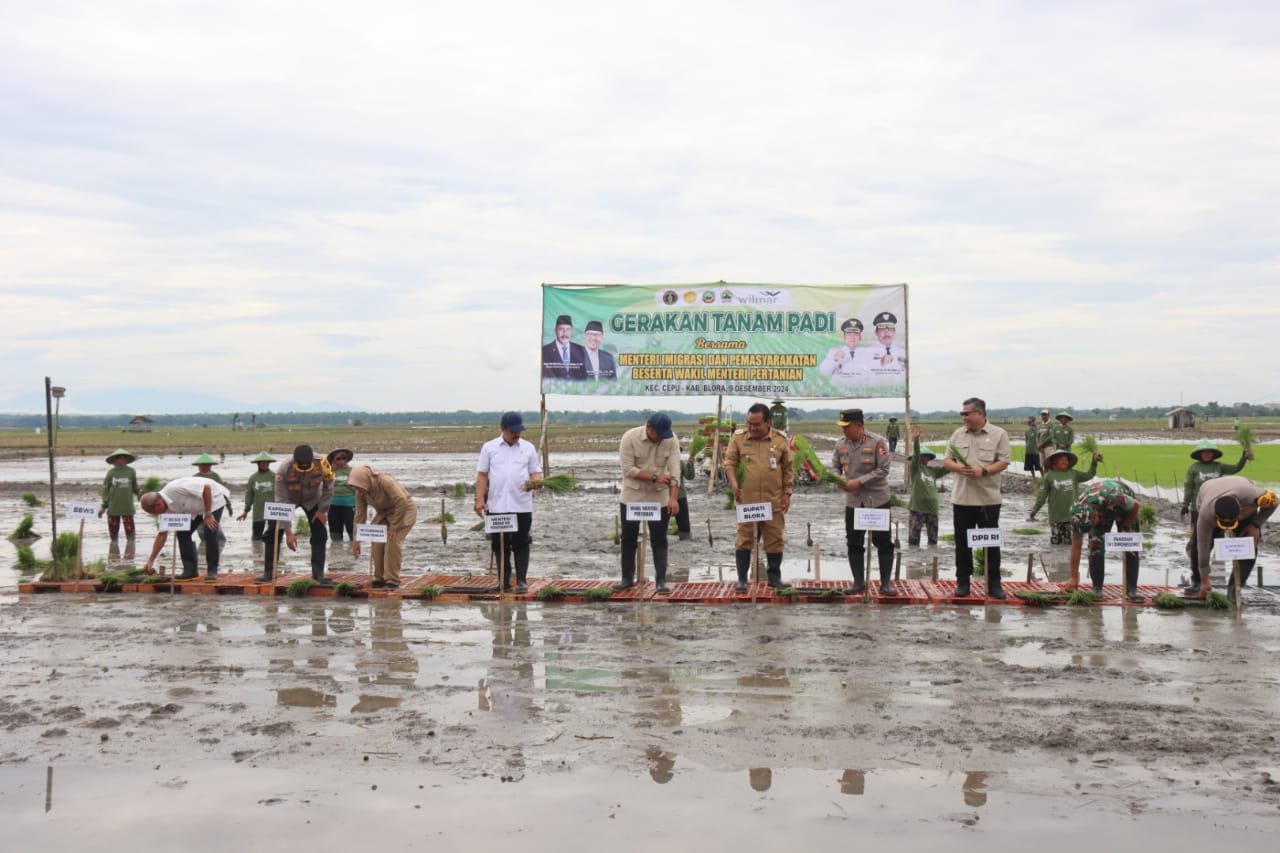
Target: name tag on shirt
748, 513
644, 512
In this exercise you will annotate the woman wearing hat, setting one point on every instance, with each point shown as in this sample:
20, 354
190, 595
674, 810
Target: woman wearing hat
342, 510
260, 489
119, 488
1059, 487
1204, 467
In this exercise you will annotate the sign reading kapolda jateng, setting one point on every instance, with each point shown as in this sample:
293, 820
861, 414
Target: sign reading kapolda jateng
758, 340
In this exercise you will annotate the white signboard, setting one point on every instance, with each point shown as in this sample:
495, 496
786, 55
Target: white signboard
986, 537
1122, 541
175, 521
371, 533
1240, 548
84, 510
503, 522
644, 512
748, 513
272, 511
866, 518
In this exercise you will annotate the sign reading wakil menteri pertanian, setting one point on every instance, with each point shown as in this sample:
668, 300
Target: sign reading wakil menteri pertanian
760, 340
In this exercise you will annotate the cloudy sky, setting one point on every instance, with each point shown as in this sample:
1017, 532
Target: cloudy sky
272, 205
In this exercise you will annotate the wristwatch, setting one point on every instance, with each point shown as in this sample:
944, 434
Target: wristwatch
655, 478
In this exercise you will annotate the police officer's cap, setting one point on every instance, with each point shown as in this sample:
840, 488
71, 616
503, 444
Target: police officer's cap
850, 416
885, 320
853, 324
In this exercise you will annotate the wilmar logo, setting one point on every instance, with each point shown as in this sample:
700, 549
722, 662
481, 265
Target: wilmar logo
762, 297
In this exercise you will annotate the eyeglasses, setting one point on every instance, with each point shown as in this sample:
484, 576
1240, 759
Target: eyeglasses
970, 412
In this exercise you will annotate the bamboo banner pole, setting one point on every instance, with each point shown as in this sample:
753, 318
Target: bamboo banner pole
715, 447
542, 437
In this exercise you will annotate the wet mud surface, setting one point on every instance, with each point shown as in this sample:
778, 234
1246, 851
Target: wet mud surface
569, 726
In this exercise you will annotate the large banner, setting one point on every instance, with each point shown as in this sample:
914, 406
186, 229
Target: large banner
756, 340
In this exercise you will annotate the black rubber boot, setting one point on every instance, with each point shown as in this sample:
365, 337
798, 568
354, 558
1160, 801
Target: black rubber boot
859, 582
628, 581
743, 559
886, 582
773, 566
1131, 577
660, 569
1096, 573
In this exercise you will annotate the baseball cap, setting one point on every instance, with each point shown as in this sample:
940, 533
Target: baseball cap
661, 424
513, 422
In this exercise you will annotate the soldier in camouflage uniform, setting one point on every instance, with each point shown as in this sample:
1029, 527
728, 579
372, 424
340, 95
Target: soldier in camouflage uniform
1100, 506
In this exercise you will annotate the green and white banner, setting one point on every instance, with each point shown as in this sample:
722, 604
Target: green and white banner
757, 340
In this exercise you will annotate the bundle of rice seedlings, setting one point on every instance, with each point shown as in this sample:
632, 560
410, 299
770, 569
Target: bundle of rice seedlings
557, 484
1088, 447
442, 518
1244, 435
112, 581
23, 530
1039, 599
894, 500
26, 558
30, 499
597, 593
1147, 516
301, 526
786, 592
956, 454
980, 562
697, 444
1028, 531
1083, 598
65, 549
431, 591
345, 589
299, 588
1215, 601
549, 592
152, 484
459, 490
479, 525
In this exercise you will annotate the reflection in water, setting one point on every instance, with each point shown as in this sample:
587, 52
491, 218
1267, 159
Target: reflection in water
975, 788
508, 689
305, 697
772, 677
662, 765
392, 662
853, 782
761, 778
369, 704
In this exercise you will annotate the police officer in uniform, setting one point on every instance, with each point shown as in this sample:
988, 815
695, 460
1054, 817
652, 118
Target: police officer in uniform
768, 476
304, 480
862, 459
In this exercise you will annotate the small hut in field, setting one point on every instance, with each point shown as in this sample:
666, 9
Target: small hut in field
1181, 418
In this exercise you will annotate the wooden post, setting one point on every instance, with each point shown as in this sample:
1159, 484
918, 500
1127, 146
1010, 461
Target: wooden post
1030, 557
715, 449
542, 437
866, 571
935, 568
640, 552
755, 572
817, 562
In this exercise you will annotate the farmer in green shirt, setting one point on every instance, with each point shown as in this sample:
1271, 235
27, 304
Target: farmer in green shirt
892, 433
1044, 437
260, 489
204, 468
1031, 456
1204, 468
1062, 435
1059, 487
119, 488
923, 505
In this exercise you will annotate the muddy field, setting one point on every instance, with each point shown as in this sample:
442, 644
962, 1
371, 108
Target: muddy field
203, 722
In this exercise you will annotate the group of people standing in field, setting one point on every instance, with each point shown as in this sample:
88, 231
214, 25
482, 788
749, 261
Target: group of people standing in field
758, 465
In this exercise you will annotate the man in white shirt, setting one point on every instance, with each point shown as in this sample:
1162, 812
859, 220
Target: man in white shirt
203, 500
505, 475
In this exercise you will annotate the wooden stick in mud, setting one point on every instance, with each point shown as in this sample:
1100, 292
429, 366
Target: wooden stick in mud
502, 566
866, 574
817, 561
897, 564
935, 568
711, 540
643, 546
1030, 560
755, 573
1235, 581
